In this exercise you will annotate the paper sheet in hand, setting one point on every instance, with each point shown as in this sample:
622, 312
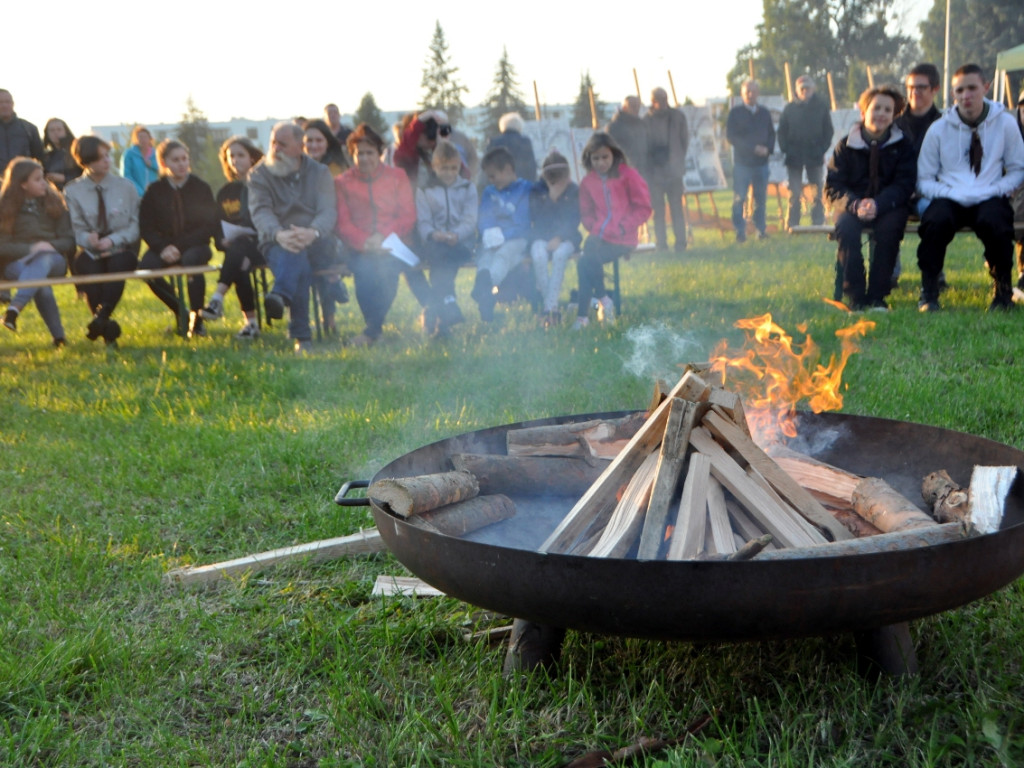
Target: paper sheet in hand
231, 231
399, 250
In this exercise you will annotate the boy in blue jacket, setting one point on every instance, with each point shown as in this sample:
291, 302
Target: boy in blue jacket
504, 225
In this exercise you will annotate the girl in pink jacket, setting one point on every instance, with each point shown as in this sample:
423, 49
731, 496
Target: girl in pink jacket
614, 202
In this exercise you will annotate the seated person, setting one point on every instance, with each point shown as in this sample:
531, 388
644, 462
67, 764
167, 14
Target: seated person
177, 218
105, 215
35, 238
555, 231
374, 201
241, 252
446, 210
971, 160
504, 225
58, 161
869, 183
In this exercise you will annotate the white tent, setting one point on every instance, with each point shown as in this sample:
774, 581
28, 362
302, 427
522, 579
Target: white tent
1010, 60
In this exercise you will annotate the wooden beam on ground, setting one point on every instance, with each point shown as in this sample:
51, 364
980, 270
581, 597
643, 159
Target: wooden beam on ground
364, 542
405, 586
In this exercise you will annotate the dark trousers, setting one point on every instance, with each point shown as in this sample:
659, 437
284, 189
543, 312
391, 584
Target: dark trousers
992, 222
590, 269
240, 257
444, 262
671, 189
887, 234
191, 257
103, 297
796, 192
376, 278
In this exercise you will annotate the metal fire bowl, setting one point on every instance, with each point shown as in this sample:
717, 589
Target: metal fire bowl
498, 568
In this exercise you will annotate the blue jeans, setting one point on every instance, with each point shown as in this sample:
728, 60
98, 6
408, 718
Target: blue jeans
745, 177
38, 266
292, 278
796, 192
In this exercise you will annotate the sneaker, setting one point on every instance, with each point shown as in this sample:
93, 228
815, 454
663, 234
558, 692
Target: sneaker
10, 320
741, 237
303, 347
215, 309
60, 343
96, 327
606, 310
580, 323
249, 331
1002, 299
111, 332
878, 306
273, 305
197, 329
928, 305
762, 235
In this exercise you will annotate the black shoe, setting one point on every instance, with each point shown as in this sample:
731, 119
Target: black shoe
451, 314
928, 304
1002, 298
273, 305
111, 332
10, 320
96, 327
197, 329
60, 343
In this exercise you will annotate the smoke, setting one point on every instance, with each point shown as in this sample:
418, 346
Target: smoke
816, 441
658, 352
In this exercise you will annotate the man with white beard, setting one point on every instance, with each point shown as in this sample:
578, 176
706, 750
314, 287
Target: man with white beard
293, 207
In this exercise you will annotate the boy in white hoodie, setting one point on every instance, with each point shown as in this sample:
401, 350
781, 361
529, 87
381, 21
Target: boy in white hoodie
971, 160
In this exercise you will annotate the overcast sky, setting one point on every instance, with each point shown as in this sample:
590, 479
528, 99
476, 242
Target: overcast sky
139, 63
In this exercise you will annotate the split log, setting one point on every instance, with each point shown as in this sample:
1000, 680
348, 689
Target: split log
853, 522
805, 526
406, 586
718, 518
528, 475
681, 419
797, 496
691, 520
886, 508
828, 484
405, 496
989, 488
744, 526
884, 542
597, 438
777, 520
731, 405
364, 542
601, 494
948, 501
628, 518
467, 516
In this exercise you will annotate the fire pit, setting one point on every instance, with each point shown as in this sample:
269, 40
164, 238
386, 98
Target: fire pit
871, 595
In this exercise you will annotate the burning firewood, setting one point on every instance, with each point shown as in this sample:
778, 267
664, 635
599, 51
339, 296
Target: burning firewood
406, 496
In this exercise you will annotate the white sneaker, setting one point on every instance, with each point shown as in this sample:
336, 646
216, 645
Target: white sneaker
581, 323
606, 310
249, 331
214, 310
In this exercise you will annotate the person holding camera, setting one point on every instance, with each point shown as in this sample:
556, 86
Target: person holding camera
417, 144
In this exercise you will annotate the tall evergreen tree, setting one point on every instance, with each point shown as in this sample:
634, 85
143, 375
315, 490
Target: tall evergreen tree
581, 116
194, 132
505, 95
369, 113
441, 90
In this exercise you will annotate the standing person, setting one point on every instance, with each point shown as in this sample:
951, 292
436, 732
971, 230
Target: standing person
294, 209
177, 218
35, 238
971, 161
18, 138
871, 177
668, 137
629, 131
750, 131
614, 202
504, 224
340, 131
105, 216
555, 231
805, 135
139, 163
375, 202
236, 236
511, 125
57, 160
446, 211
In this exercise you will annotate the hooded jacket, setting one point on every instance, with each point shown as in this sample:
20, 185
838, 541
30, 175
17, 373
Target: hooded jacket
381, 203
944, 169
448, 209
507, 208
613, 207
849, 172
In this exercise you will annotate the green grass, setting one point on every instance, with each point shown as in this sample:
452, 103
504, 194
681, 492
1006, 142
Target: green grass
118, 467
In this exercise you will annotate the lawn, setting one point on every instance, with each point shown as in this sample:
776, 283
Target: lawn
119, 466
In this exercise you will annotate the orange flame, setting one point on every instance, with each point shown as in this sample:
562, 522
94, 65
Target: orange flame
774, 376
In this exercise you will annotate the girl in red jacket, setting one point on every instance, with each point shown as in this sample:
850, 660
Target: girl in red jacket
614, 202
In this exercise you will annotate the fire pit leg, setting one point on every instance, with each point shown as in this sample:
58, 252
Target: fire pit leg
531, 646
887, 649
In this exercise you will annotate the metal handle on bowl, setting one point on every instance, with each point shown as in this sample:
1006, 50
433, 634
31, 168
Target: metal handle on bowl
361, 501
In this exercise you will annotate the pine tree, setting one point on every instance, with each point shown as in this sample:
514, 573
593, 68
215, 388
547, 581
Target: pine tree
194, 132
581, 116
370, 114
504, 97
440, 88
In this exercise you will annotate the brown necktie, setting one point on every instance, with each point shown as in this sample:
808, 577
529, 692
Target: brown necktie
102, 226
975, 152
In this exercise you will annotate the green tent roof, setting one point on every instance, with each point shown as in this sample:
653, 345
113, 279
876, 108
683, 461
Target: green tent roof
1011, 59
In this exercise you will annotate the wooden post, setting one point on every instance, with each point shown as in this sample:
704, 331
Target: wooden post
536, 101
593, 108
789, 83
831, 90
750, 68
636, 82
672, 86
1007, 88
871, 77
